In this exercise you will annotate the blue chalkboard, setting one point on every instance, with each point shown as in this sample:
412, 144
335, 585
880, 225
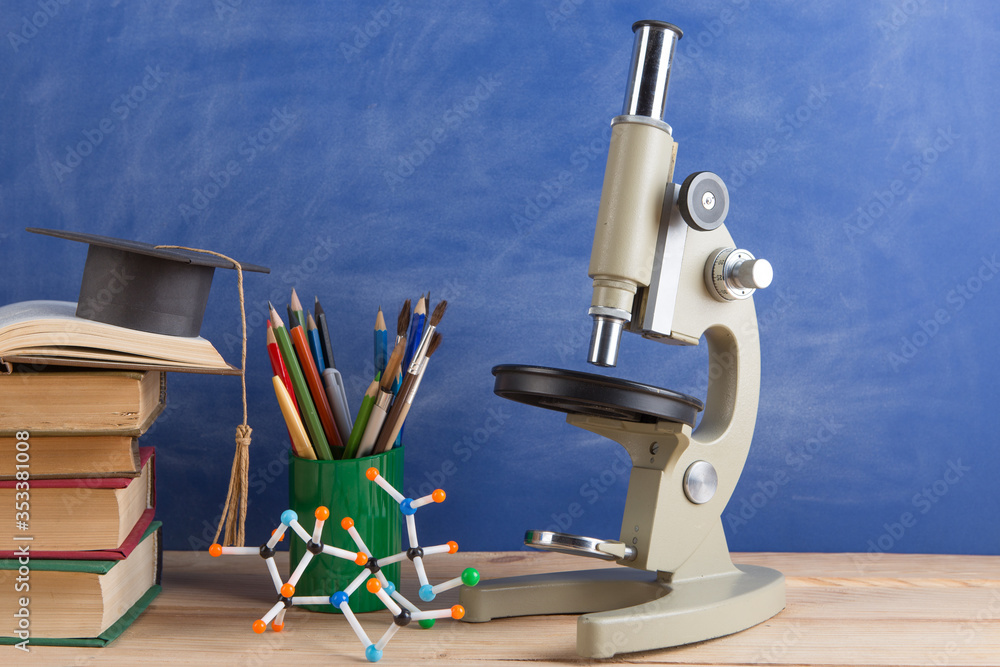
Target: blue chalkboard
370, 152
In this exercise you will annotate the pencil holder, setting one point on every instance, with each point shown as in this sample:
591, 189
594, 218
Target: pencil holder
343, 487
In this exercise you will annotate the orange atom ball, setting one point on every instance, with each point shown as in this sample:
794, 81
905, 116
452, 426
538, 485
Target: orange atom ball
457, 612
452, 547
277, 627
215, 550
438, 496
280, 539
371, 474
259, 626
347, 523
322, 513
288, 590
361, 559
373, 586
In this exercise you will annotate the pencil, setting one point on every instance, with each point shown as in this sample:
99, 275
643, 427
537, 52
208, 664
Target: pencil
381, 343
364, 412
401, 406
337, 395
315, 385
314, 343
381, 407
278, 364
300, 439
324, 334
296, 307
306, 406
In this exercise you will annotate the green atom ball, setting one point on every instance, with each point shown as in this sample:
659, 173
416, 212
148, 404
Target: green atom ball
470, 577
427, 623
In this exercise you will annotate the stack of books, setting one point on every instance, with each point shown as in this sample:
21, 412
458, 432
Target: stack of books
80, 553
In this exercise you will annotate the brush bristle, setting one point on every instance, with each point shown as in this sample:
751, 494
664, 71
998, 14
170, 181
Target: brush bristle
392, 366
435, 342
438, 313
403, 323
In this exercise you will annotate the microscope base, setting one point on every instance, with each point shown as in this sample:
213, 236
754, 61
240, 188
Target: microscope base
627, 610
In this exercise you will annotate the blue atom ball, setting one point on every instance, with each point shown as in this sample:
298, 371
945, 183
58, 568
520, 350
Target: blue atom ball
426, 593
389, 588
288, 516
373, 654
338, 598
406, 507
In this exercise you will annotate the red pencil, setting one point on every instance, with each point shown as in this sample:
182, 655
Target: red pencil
316, 386
278, 364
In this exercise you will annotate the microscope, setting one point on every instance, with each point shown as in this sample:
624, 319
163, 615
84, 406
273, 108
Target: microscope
665, 267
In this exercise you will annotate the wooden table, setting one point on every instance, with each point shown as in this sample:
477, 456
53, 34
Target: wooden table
843, 609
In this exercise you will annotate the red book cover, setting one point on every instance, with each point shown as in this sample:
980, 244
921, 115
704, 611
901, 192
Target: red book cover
134, 536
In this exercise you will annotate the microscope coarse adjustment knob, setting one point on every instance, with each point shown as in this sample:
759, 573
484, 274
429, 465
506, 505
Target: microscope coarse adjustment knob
703, 201
733, 274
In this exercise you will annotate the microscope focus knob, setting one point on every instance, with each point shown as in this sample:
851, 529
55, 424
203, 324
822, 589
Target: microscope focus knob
733, 274
703, 201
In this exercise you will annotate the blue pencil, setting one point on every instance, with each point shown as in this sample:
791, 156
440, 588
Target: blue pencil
312, 333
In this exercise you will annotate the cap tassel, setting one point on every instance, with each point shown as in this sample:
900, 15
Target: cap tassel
234, 512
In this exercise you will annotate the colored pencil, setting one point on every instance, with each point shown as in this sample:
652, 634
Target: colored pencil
381, 343
324, 334
296, 306
364, 412
300, 439
315, 384
278, 364
381, 407
312, 333
310, 417
401, 406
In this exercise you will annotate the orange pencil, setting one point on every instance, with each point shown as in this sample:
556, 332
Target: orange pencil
316, 387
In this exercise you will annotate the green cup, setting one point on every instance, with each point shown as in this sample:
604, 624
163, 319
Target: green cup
342, 487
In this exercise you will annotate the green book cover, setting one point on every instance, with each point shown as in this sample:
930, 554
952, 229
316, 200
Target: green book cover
99, 568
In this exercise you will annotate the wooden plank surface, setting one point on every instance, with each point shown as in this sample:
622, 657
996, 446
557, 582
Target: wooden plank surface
843, 609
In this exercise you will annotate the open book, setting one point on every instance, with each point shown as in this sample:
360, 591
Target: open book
49, 332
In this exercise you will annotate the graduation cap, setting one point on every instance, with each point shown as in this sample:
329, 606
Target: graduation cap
138, 286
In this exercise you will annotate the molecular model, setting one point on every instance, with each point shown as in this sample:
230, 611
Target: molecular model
403, 611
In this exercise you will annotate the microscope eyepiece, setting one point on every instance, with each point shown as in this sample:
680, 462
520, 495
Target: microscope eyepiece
605, 338
649, 73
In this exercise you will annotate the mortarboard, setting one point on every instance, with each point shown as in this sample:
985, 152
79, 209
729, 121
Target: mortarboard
138, 286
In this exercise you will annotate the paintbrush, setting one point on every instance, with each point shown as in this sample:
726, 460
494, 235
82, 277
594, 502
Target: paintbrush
381, 407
